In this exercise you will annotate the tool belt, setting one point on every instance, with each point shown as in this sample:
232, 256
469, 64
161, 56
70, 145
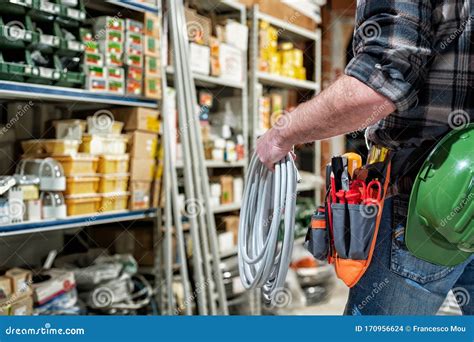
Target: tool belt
344, 231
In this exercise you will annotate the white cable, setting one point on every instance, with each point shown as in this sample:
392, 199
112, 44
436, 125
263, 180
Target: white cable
269, 197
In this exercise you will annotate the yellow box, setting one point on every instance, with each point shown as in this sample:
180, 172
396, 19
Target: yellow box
82, 205
114, 201
113, 163
50, 146
79, 164
79, 185
113, 183
100, 144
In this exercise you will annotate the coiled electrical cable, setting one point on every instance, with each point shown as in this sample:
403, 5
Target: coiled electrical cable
267, 216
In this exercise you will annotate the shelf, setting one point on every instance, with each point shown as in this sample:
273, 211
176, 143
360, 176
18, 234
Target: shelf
285, 82
287, 29
223, 208
133, 5
17, 90
217, 164
228, 253
210, 81
74, 222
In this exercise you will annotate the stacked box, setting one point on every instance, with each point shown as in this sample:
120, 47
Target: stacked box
133, 58
103, 58
96, 73
151, 51
142, 126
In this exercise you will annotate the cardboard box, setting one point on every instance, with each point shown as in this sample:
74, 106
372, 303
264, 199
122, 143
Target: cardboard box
152, 66
152, 46
227, 186
284, 12
231, 61
133, 26
138, 118
143, 144
226, 242
133, 87
56, 283
231, 224
5, 287
198, 27
152, 87
135, 73
236, 34
151, 25
142, 169
96, 71
93, 59
22, 306
97, 84
140, 195
113, 59
200, 58
106, 24
21, 280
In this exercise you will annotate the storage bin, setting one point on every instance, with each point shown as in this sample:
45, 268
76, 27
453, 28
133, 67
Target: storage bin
79, 164
113, 183
69, 41
49, 171
71, 14
15, 31
113, 164
50, 146
61, 146
15, 6
52, 205
104, 144
114, 201
41, 74
102, 122
44, 10
79, 185
71, 129
46, 39
82, 204
70, 70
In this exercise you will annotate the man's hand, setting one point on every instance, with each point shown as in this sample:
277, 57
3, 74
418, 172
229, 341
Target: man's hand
271, 148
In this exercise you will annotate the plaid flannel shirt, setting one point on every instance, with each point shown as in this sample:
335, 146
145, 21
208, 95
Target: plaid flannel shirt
420, 55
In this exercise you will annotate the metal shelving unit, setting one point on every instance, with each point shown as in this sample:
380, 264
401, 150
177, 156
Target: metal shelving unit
223, 208
19, 91
209, 81
289, 32
134, 5
75, 222
217, 83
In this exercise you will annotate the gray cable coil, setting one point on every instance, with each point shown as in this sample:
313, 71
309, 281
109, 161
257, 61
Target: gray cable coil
268, 198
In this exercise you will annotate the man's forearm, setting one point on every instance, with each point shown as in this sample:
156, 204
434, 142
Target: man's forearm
346, 106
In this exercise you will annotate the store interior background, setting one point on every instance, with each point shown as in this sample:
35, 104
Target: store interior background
313, 290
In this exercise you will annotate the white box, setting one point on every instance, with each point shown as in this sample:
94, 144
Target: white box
33, 210
226, 241
231, 60
236, 34
200, 56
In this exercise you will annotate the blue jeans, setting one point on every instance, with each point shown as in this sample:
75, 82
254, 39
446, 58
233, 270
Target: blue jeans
397, 283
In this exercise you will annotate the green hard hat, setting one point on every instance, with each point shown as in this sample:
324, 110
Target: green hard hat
440, 226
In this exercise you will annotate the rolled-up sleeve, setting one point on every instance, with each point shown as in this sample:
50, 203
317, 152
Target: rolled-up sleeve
392, 46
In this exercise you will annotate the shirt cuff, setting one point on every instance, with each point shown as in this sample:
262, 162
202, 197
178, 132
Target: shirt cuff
367, 70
